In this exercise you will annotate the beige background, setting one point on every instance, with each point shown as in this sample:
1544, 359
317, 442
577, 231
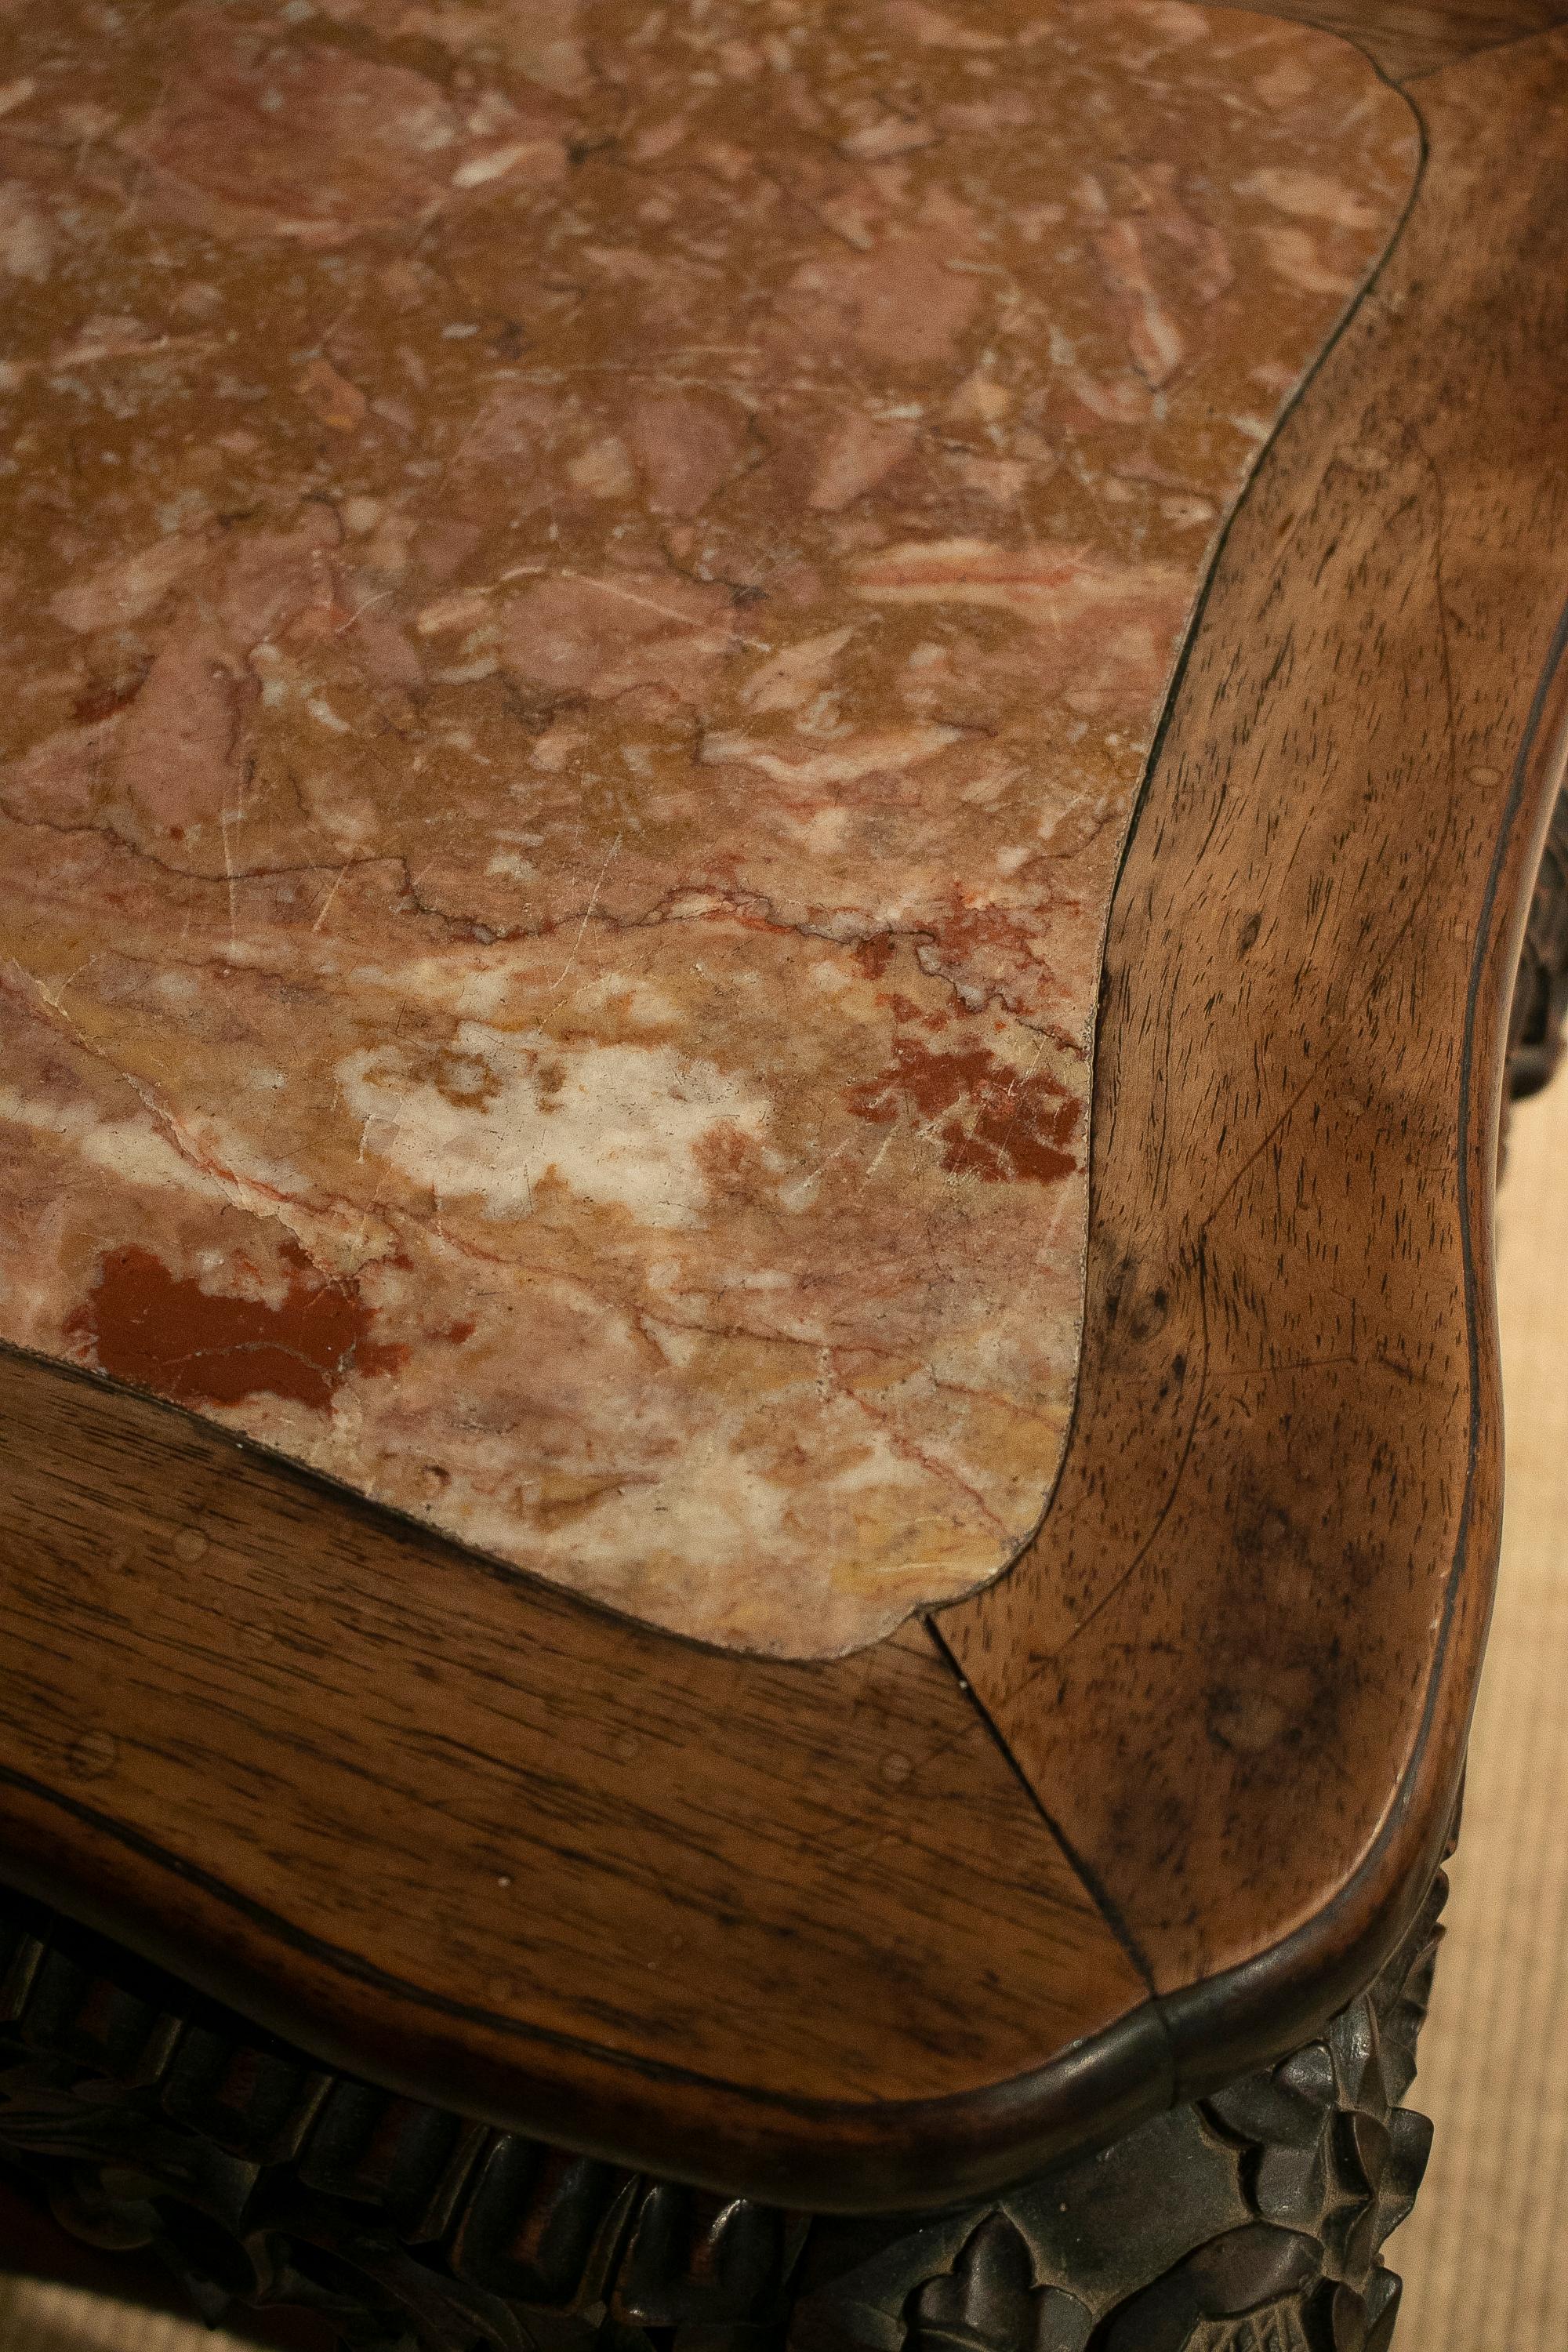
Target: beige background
1484, 2257
1485, 2254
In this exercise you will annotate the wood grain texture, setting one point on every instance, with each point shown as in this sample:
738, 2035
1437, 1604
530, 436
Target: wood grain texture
499, 1847
1406, 38
1238, 1664
269, 2184
801, 1930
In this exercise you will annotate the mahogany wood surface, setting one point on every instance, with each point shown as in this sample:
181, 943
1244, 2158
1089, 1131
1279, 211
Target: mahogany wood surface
837, 1933
1408, 37
473, 1834
1238, 1664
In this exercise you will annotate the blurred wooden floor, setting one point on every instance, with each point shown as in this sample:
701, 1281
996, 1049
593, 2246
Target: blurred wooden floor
1485, 2257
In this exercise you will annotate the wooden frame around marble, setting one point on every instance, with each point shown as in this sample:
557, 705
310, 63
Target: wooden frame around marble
1407, 38
899, 1926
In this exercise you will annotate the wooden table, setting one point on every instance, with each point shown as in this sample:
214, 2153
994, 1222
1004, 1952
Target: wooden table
773, 781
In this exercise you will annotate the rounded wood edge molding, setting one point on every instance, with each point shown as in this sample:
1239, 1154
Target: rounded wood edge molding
1246, 1707
860, 2153
1303, 2170
1217, 2024
749, 1923
822, 2156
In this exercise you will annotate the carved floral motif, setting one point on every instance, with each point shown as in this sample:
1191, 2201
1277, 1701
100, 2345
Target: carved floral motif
1247, 2222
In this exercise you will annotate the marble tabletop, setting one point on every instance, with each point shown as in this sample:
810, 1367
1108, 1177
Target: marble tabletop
586, 592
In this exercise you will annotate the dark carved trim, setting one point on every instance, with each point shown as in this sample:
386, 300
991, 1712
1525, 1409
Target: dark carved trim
1541, 991
1250, 2221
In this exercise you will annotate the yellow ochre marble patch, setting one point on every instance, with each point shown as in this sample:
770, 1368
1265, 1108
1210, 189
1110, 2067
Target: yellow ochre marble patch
586, 588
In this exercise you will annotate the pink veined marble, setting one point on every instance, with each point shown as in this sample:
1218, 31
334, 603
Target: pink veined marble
587, 588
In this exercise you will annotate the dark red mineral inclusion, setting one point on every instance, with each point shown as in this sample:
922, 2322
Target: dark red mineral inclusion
1020, 1125
164, 1332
